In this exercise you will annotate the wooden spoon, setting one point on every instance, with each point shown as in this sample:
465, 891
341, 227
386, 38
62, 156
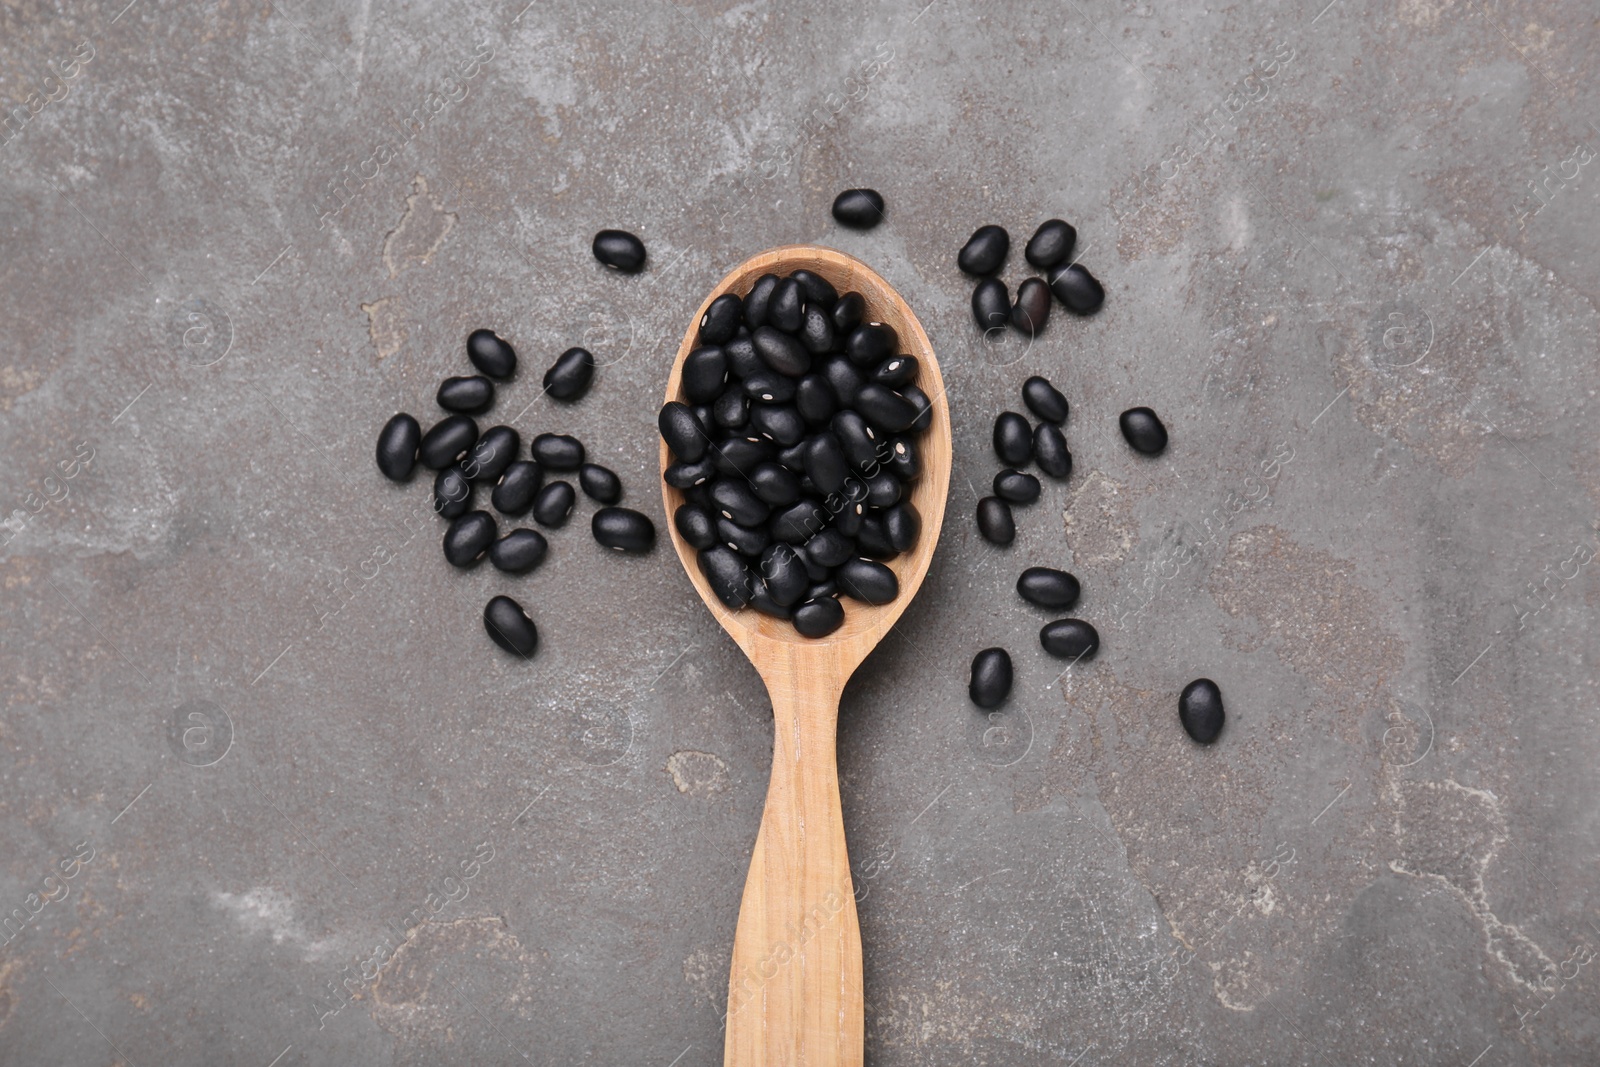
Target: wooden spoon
794, 996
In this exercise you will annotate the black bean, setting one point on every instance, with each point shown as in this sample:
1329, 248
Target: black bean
896, 371
705, 370
491, 355
763, 601
468, 538
1200, 710
922, 405
704, 413
990, 682
782, 423
814, 398
781, 352
1050, 451
859, 442
776, 485
903, 524
1048, 588
849, 518
1013, 439
819, 617
452, 493
569, 376
397, 447
885, 409
1032, 309
1078, 290
495, 451
873, 541
519, 551
991, 304
742, 359
509, 626
696, 525
818, 290
517, 487
680, 429
985, 251
619, 250
738, 455
829, 548
787, 308
687, 475
799, 522
903, 461
721, 320
735, 500
1051, 244
552, 506
1142, 429
1045, 400
1071, 639
870, 344
816, 331
600, 484
868, 581
728, 575
623, 529
794, 457
731, 410
883, 489
845, 379
559, 451
825, 588
995, 522
447, 441
757, 300
848, 313
746, 540
1015, 487
770, 387
860, 209
784, 573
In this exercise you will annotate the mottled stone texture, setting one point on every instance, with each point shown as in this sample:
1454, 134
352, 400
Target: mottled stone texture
310, 812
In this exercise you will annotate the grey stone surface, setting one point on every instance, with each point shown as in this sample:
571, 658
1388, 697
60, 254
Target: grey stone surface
1351, 258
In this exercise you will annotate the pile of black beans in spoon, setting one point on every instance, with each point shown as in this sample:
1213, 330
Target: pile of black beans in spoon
464, 459
795, 445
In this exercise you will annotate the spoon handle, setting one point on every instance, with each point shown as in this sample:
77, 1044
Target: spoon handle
794, 990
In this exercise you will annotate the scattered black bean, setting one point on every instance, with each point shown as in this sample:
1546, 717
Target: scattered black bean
696, 525
1013, 439
561, 452
848, 313
728, 575
867, 581
1032, 309
990, 682
452, 492
991, 304
1069, 639
1048, 588
619, 250
1050, 244
397, 447
1143, 431
995, 522
509, 626
491, 355
1078, 290
495, 451
519, 484
1050, 451
860, 209
1045, 400
519, 551
569, 376
600, 484
552, 506
468, 538
1016, 487
623, 529
1200, 710
468, 395
985, 251
819, 617
447, 441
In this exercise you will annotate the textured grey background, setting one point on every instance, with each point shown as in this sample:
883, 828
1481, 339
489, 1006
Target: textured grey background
1351, 256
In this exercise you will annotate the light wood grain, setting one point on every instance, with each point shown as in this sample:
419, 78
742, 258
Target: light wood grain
795, 993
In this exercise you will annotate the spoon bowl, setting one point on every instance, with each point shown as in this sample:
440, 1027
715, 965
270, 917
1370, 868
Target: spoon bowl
795, 988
